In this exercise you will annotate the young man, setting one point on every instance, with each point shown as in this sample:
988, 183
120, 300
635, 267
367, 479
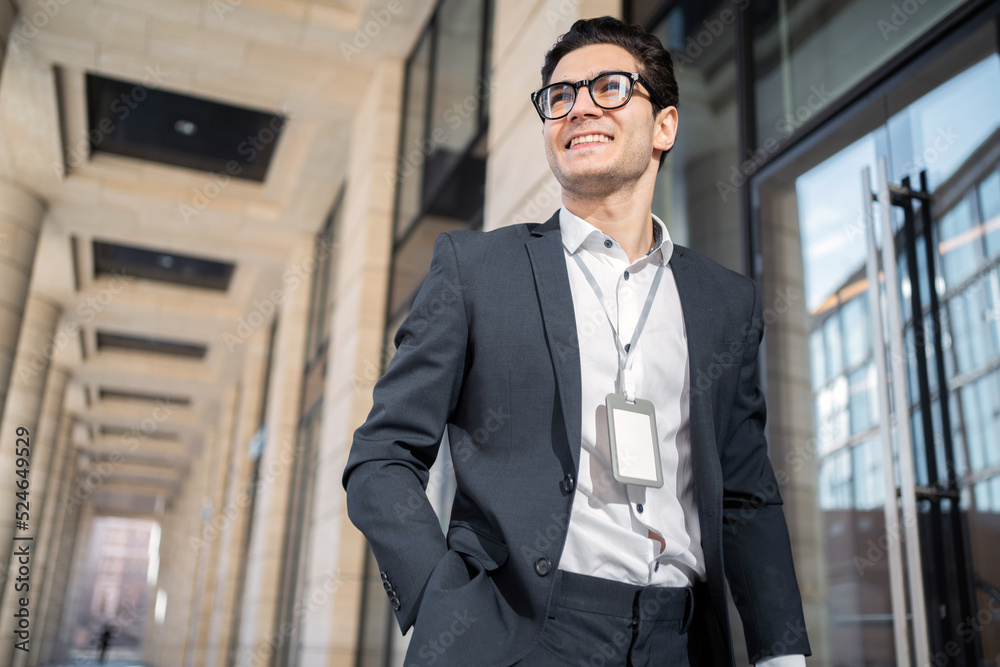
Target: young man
602, 500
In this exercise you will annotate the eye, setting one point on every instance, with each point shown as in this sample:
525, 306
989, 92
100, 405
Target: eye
559, 95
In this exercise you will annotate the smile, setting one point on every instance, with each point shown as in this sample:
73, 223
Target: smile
590, 139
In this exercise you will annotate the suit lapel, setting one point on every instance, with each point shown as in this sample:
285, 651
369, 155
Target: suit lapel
696, 304
548, 264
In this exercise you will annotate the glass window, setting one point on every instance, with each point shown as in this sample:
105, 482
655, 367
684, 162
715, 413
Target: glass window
863, 400
817, 358
413, 151
869, 487
989, 207
459, 95
971, 327
857, 331
834, 345
697, 188
835, 490
807, 54
960, 245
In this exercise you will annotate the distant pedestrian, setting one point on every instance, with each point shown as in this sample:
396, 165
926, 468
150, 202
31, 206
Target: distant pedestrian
103, 640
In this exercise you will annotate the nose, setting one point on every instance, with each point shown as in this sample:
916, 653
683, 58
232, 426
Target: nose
584, 106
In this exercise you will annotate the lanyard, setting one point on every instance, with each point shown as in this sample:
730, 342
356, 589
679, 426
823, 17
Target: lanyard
625, 353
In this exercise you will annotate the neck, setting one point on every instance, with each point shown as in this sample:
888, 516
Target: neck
626, 219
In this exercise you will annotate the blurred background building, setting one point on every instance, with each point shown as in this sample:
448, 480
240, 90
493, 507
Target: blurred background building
214, 214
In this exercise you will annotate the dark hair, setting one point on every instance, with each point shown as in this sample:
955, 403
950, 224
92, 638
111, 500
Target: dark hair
655, 64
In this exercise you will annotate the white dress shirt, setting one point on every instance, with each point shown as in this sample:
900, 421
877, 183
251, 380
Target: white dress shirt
623, 532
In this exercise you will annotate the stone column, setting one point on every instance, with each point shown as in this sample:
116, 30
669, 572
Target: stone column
212, 527
232, 518
20, 225
46, 461
24, 402
790, 408
179, 565
50, 536
258, 634
71, 563
6, 23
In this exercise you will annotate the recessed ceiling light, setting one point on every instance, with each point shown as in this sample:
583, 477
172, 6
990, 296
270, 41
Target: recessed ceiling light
185, 127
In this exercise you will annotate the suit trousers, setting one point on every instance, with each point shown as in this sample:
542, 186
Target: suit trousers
597, 622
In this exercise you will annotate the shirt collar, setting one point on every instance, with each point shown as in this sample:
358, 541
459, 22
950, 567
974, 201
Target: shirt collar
576, 230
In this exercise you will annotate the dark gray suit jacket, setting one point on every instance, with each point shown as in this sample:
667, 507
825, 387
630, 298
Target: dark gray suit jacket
490, 350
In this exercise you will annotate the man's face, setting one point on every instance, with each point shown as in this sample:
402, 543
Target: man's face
622, 151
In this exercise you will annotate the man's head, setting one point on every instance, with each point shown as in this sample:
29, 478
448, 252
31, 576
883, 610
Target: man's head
655, 64
637, 112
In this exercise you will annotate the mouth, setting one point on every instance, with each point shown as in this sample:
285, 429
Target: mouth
586, 140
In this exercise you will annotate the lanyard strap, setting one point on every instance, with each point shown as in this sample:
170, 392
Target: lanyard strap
625, 353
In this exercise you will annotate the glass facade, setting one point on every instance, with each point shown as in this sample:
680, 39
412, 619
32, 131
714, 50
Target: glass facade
934, 118
938, 130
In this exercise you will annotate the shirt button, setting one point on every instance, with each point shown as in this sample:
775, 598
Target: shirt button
608, 243
543, 566
638, 508
626, 275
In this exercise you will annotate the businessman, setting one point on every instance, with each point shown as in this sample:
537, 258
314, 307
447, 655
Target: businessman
603, 500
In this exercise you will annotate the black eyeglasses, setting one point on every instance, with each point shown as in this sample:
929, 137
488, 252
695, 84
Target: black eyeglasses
611, 90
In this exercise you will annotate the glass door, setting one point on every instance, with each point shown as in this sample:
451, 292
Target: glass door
901, 587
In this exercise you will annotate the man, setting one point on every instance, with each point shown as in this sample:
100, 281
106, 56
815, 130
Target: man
602, 501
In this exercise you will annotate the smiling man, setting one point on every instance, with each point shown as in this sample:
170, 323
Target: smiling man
601, 504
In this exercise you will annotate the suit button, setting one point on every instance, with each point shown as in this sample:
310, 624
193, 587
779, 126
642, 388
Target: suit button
395, 603
387, 586
385, 577
543, 566
568, 483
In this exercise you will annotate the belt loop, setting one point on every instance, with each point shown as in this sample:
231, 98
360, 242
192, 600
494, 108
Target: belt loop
689, 605
556, 593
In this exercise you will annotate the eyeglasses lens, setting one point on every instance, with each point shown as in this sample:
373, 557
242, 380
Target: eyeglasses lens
608, 91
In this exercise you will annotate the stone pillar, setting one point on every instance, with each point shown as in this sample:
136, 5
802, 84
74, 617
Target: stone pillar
47, 459
6, 23
24, 402
333, 583
20, 225
179, 565
213, 525
232, 518
72, 561
53, 512
258, 634
789, 402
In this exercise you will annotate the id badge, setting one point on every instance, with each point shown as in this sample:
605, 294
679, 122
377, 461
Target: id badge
635, 451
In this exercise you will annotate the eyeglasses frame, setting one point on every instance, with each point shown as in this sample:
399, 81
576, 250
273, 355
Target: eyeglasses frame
634, 77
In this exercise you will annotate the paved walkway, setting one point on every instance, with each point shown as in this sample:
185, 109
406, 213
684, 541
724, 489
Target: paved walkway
120, 658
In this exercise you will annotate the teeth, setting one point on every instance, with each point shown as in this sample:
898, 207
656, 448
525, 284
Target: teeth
590, 138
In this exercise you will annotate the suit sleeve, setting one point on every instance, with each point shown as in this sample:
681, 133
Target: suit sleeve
387, 469
756, 545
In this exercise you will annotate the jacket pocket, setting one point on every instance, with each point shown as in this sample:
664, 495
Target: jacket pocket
488, 551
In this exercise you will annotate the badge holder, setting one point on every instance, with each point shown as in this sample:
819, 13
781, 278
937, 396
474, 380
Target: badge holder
635, 454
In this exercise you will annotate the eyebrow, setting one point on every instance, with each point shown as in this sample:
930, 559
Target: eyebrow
592, 77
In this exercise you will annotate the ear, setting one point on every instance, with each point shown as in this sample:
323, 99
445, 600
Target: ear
665, 129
